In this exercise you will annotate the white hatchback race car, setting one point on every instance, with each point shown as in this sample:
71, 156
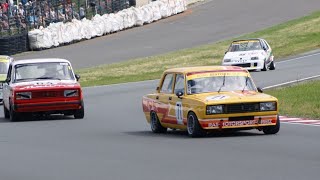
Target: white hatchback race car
251, 54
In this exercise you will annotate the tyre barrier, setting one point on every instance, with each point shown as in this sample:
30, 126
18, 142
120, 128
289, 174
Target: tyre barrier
10, 45
60, 34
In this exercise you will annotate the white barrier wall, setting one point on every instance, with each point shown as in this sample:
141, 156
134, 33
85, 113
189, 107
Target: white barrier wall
60, 33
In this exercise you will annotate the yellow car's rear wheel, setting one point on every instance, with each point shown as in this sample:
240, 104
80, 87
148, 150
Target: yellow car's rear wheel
155, 124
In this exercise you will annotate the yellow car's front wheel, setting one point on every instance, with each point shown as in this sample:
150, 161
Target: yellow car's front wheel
272, 129
193, 126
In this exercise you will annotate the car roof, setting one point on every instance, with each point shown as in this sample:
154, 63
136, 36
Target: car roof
185, 70
40, 60
5, 57
250, 39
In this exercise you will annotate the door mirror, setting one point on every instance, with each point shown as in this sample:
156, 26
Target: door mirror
77, 77
259, 90
179, 94
226, 52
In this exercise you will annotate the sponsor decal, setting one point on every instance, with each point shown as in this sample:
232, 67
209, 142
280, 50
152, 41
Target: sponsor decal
203, 75
217, 97
239, 123
179, 112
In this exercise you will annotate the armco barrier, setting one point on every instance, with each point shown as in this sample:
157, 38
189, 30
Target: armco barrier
14, 44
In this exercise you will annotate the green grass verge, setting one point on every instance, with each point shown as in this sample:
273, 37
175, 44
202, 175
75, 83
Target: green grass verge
300, 100
290, 38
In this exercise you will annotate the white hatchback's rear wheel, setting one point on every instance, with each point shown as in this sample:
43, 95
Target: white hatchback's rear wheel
155, 124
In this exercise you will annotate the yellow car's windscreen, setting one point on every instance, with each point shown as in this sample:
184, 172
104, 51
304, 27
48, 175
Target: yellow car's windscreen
219, 81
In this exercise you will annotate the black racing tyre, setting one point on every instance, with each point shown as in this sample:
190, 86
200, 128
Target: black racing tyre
14, 116
79, 114
155, 124
272, 66
193, 126
264, 67
6, 112
272, 129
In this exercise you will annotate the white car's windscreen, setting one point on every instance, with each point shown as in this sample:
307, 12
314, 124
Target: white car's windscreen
40, 71
245, 46
4, 66
219, 83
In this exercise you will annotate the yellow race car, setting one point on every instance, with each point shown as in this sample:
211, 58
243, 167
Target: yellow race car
4, 66
202, 99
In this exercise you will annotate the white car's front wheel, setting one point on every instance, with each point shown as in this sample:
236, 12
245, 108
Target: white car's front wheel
264, 66
272, 66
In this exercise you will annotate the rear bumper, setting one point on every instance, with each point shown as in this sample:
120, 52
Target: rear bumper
225, 123
48, 106
249, 65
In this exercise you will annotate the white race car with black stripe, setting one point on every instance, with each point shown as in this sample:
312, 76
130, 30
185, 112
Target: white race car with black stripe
251, 54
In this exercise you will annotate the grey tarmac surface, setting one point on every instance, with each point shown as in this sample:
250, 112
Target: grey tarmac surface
114, 142
209, 22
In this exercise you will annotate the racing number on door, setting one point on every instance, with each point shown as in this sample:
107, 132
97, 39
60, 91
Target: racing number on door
179, 113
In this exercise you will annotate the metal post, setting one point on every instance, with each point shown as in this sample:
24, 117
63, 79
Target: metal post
79, 9
49, 3
34, 19
99, 8
71, 6
41, 13
85, 8
9, 22
64, 7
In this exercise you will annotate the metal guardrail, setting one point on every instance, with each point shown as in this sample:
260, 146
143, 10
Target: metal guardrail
24, 16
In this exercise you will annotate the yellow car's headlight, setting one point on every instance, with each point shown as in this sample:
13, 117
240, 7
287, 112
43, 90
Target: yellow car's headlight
268, 106
215, 109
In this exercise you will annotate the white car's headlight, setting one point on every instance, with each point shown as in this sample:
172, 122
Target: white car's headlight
23, 95
255, 58
227, 60
268, 106
71, 93
217, 109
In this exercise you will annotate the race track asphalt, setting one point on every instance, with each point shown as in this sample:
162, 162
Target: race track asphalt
114, 142
210, 22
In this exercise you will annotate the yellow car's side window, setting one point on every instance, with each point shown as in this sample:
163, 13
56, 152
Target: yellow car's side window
179, 85
167, 84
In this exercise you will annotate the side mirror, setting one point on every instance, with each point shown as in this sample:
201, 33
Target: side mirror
264, 48
259, 90
179, 94
158, 88
226, 52
77, 77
